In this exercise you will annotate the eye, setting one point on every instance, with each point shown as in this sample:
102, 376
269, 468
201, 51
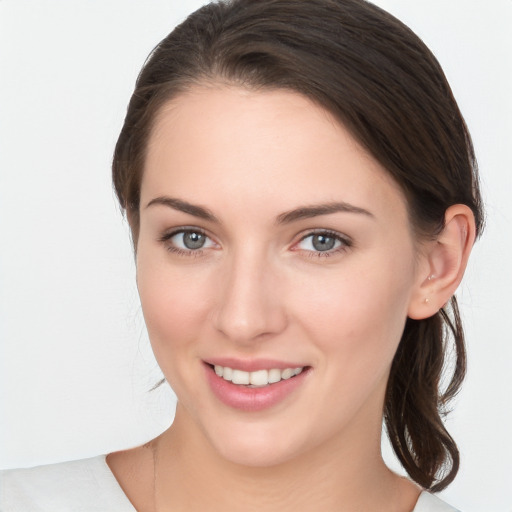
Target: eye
187, 241
323, 243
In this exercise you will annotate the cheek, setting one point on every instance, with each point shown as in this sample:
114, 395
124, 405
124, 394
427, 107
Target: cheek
355, 322
357, 316
174, 304
175, 311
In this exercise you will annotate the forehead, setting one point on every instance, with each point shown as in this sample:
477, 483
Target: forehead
231, 145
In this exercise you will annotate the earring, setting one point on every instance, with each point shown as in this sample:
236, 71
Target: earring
429, 278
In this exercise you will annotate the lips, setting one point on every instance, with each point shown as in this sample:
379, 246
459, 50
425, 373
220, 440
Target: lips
254, 385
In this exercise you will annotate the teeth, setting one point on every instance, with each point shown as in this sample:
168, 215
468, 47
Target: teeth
274, 376
257, 378
240, 377
286, 374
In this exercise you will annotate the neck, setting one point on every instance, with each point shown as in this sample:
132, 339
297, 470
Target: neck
345, 474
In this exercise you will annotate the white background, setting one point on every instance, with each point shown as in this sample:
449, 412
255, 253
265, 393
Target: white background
75, 364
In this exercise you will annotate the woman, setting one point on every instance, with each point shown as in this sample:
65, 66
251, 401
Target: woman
303, 198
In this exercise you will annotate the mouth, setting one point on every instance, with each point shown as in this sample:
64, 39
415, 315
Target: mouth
258, 378
254, 389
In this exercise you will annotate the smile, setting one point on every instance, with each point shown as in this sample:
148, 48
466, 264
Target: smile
258, 387
259, 378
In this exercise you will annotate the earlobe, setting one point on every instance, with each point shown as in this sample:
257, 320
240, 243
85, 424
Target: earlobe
446, 258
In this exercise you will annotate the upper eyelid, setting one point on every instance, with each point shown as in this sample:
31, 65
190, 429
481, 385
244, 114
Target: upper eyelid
169, 233
329, 232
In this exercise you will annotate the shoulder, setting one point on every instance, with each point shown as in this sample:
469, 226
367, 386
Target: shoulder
85, 485
429, 503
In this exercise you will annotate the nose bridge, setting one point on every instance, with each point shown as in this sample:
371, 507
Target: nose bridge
248, 304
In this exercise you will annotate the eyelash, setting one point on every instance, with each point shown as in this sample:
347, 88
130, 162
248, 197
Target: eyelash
177, 250
346, 243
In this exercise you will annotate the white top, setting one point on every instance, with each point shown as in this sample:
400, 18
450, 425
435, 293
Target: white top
89, 486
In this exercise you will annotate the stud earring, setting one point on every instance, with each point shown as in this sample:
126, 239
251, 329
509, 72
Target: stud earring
429, 278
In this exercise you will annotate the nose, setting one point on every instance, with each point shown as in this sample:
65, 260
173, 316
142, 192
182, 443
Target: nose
250, 304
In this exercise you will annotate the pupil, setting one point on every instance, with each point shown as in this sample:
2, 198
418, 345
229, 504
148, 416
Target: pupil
323, 243
193, 240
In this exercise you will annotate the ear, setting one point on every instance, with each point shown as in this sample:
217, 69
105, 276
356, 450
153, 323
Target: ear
444, 261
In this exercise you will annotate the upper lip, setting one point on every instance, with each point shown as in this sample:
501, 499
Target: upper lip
251, 365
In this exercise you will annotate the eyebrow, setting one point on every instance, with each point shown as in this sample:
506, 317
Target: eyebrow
183, 206
307, 212
303, 212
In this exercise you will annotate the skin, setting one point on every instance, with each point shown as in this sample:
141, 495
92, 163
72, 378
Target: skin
259, 289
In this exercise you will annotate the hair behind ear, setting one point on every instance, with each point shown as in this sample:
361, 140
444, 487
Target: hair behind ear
415, 403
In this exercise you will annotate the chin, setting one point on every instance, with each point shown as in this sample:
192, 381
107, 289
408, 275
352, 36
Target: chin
256, 446
257, 455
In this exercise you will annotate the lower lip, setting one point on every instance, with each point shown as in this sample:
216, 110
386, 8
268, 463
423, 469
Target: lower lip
252, 399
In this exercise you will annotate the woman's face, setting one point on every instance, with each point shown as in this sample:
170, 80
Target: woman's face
271, 244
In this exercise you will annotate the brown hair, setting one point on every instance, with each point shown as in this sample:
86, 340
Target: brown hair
382, 83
